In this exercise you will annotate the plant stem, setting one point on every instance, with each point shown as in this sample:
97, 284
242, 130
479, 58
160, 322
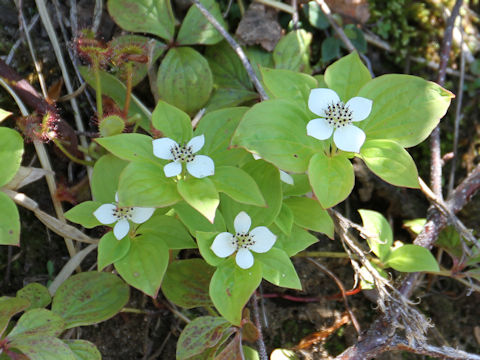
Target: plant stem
98, 89
126, 106
70, 156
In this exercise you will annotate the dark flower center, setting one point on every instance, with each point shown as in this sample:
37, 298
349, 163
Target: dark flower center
338, 115
123, 212
243, 240
182, 153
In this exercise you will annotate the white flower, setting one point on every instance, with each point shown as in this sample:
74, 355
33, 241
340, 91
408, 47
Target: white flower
337, 116
109, 213
284, 176
198, 166
259, 240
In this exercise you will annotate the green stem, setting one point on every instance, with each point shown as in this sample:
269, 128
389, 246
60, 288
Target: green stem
128, 96
98, 89
70, 156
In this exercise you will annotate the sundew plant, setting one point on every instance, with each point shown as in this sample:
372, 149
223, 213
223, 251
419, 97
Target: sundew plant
217, 188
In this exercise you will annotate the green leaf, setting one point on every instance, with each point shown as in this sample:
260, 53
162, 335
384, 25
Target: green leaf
309, 214
298, 241
268, 179
200, 194
83, 349
172, 122
284, 220
184, 79
106, 173
89, 298
259, 58
293, 51
356, 36
145, 185
139, 69
10, 306
226, 97
114, 88
405, 108
332, 178
278, 269
287, 84
237, 184
218, 127
450, 241
415, 225
186, 283
231, 287
380, 236
37, 322
43, 348
9, 221
204, 241
196, 29
153, 17
36, 294
202, 333
194, 221
145, 264
412, 258
300, 186
169, 230
315, 15
330, 49
4, 114
347, 76
131, 147
110, 249
83, 214
276, 131
391, 162
11, 153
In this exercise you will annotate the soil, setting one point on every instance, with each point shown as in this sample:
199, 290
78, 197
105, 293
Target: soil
153, 333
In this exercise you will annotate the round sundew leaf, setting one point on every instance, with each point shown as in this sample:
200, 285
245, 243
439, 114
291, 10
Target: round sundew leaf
36, 294
153, 17
10, 306
199, 335
196, 29
89, 298
292, 52
194, 221
186, 283
287, 84
114, 88
130, 147
278, 269
184, 79
106, 173
218, 127
110, 249
331, 178
276, 131
43, 347
297, 241
9, 221
172, 122
11, 153
237, 184
231, 287
83, 214
37, 322
144, 266
139, 69
405, 108
412, 258
83, 349
309, 214
200, 194
284, 220
145, 185
380, 235
170, 230
347, 76
391, 162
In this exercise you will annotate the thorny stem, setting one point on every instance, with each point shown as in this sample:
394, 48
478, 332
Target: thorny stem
235, 46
